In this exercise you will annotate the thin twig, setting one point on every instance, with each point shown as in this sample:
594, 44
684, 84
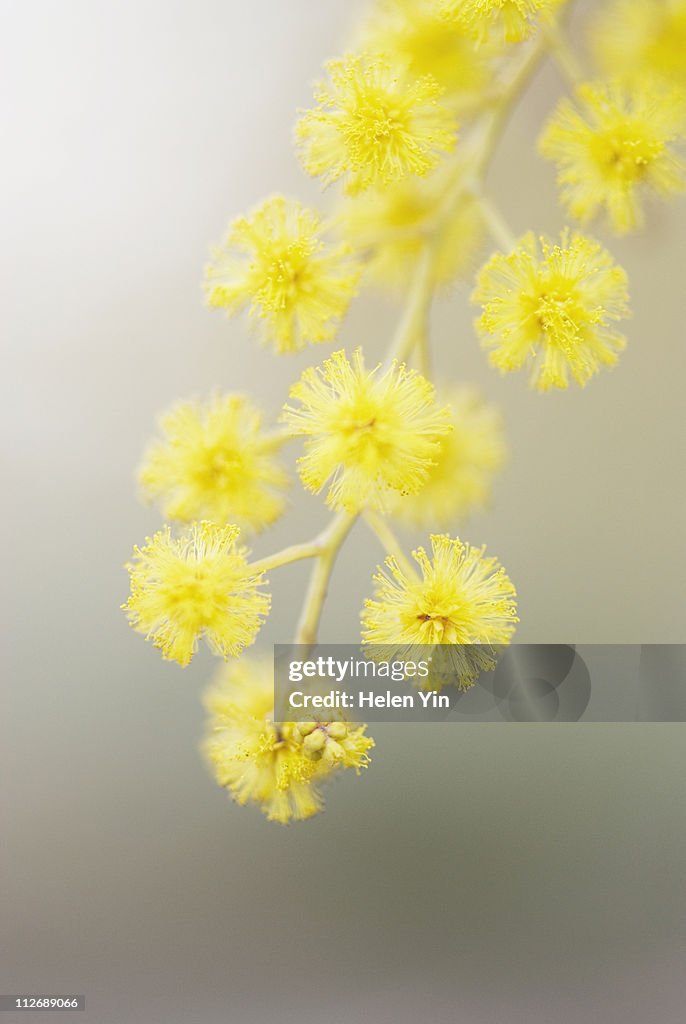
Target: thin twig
389, 542
500, 230
293, 553
564, 57
332, 539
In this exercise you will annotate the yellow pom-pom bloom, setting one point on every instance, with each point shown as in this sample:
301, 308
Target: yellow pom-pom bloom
417, 33
388, 227
553, 309
278, 767
370, 434
215, 462
633, 39
460, 597
511, 20
374, 124
461, 479
613, 144
198, 584
278, 264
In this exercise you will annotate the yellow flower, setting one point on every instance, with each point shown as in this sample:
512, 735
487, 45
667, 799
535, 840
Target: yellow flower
633, 39
553, 311
389, 227
512, 20
276, 262
215, 462
462, 600
461, 479
616, 142
278, 767
374, 124
194, 585
369, 433
417, 33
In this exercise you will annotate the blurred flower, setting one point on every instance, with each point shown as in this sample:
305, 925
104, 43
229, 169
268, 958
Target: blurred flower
633, 39
417, 33
462, 599
276, 262
369, 433
613, 143
389, 226
278, 767
217, 463
552, 310
197, 584
513, 20
461, 478
374, 124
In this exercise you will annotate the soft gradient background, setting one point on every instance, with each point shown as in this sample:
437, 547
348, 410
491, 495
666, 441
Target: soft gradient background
474, 873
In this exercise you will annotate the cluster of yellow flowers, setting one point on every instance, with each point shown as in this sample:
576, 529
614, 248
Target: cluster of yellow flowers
381, 441
279, 767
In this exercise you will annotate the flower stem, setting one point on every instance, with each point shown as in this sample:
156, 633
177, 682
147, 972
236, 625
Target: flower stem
389, 542
293, 553
511, 91
413, 326
500, 230
566, 60
330, 542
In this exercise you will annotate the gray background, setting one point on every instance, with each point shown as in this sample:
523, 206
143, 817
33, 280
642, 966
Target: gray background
474, 873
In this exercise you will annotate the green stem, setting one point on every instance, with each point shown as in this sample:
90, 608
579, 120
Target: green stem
413, 325
331, 540
293, 553
389, 542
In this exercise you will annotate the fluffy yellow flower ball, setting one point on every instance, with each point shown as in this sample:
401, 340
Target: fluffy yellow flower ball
197, 584
280, 767
388, 228
612, 145
277, 263
418, 34
460, 481
369, 433
635, 38
216, 462
374, 124
553, 309
462, 604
